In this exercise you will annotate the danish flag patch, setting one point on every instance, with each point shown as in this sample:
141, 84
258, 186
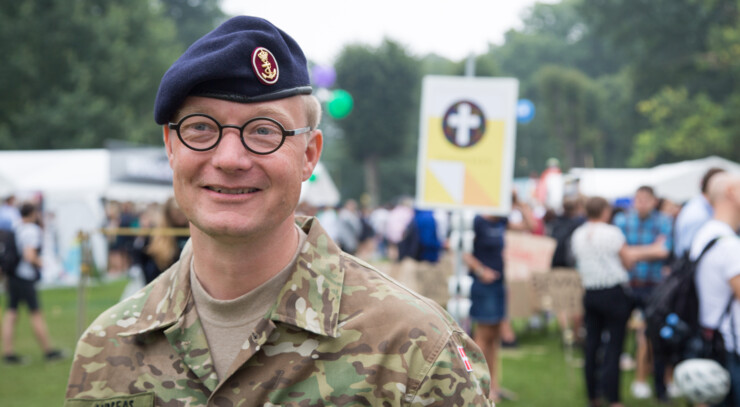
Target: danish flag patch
465, 359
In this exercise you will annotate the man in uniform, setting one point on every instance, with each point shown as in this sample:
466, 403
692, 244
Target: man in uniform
262, 307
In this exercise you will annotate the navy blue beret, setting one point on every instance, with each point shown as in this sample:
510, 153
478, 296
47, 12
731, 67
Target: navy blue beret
245, 59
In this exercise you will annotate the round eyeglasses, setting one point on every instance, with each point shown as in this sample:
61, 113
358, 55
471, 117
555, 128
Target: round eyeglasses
260, 135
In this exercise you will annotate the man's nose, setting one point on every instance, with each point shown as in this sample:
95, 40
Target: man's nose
230, 154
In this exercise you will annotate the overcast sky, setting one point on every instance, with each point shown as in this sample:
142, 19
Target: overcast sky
453, 29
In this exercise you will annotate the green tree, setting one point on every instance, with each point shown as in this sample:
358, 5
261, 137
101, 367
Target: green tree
384, 83
663, 40
193, 18
568, 100
682, 127
78, 73
557, 35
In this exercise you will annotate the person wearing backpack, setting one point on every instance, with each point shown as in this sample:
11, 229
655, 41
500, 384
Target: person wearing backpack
718, 273
21, 288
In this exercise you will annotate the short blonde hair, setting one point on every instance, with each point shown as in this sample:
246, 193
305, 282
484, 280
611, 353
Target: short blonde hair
313, 110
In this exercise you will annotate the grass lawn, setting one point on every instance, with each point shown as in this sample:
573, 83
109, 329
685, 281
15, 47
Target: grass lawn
539, 370
543, 373
40, 383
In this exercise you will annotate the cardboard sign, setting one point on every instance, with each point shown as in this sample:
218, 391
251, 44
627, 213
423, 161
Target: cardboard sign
526, 254
427, 279
560, 290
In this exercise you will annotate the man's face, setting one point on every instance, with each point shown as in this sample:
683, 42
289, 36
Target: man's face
644, 203
231, 192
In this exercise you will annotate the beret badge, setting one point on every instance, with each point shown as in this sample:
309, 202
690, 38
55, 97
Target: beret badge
265, 66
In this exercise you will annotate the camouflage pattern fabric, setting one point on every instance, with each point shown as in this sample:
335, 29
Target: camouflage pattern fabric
340, 333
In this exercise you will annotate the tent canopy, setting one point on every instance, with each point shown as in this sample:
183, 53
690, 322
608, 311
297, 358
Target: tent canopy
677, 181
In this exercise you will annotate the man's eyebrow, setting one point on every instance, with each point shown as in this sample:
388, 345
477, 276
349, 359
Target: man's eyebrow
272, 113
263, 111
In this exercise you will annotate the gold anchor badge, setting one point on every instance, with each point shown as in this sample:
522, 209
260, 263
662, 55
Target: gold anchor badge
267, 73
265, 66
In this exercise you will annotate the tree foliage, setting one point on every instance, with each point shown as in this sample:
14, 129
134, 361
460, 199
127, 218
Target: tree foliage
682, 127
682, 59
570, 112
193, 18
384, 83
79, 73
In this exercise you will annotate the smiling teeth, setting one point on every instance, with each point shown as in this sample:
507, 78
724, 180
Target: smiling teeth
234, 191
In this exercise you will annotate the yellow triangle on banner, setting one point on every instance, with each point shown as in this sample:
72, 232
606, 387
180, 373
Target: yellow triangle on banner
434, 191
475, 193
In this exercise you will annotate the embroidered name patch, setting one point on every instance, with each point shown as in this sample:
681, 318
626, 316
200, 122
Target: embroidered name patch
465, 359
136, 400
265, 66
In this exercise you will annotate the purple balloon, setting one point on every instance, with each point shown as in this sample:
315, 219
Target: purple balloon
323, 76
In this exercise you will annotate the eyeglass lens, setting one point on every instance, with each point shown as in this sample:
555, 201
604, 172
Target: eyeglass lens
201, 132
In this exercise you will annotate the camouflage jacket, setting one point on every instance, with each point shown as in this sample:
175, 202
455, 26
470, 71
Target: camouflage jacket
340, 333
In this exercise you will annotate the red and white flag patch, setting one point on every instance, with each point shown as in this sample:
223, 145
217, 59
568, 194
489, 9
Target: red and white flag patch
465, 359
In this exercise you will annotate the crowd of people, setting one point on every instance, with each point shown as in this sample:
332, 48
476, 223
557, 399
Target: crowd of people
623, 255
622, 252
144, 239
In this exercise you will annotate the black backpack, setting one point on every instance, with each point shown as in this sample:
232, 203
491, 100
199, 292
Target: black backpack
672, 312
9, 256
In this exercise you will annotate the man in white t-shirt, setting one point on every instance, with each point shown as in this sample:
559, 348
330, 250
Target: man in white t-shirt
718, 273
21, 288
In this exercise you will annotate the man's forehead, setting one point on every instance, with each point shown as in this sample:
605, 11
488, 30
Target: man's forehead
287, 108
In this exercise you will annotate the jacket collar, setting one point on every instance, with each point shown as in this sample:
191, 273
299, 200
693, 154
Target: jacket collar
310, 298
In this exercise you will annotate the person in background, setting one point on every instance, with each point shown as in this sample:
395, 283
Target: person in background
488, 293
21, 287
599, 248
398, 219
718, 273
328, 217
668, 208
350, 227
421, 239
10, 216
563, 260
649, 236
693, 215
160, 251
379, 222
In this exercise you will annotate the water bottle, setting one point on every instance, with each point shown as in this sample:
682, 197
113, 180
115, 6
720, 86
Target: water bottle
667, 333
681, 330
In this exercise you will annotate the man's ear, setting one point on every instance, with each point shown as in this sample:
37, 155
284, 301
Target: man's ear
167, 145
313, 153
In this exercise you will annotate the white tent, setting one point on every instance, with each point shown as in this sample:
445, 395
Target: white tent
677, 181
72, 184
320, 189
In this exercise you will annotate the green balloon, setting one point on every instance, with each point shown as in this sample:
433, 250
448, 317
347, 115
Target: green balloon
340, 104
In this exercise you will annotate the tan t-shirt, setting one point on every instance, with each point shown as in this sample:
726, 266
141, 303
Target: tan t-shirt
228, 323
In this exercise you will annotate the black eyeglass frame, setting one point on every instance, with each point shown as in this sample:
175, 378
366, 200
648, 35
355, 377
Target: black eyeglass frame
221, 127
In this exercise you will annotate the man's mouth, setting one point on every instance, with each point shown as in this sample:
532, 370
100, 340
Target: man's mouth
233, 191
